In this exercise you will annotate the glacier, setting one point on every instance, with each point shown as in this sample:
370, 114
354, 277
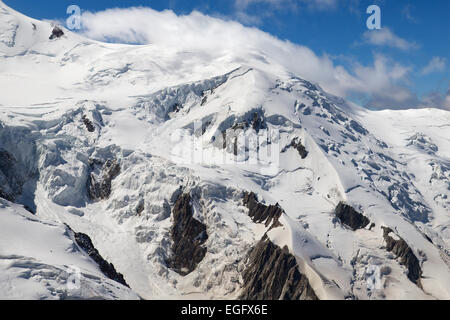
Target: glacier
106, 138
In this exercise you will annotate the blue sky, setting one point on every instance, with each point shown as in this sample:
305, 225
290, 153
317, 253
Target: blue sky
415, 34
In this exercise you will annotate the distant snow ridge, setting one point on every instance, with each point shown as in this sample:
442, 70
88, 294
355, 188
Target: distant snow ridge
9, 27
198, 177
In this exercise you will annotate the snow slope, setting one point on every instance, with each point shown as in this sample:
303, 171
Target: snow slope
161, 114
40, 260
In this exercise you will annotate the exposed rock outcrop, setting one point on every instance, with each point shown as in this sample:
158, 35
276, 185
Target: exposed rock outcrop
56, 33
229, 137
6, 196
106, 268
10, 181
404, 253
297, 144
100, 178
140, 207
188, 235
177, 107
261, 213
272, 274
88, 123
350, 217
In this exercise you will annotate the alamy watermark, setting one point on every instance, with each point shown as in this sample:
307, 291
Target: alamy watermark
73, 283
73, 22
374, 20
246, 147
373, 277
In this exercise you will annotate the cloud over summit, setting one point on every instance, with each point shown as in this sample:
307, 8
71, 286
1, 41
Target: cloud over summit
385, 37
216, 38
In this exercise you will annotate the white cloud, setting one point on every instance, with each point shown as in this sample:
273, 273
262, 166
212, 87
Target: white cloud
396, 97
437, 100
248, 19
385, 37
447, 100
407, 13
436, 64
382, 74
217, 39
386, 82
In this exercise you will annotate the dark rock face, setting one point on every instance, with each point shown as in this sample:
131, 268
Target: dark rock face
107, 268
272, 274
99, 182
261, 213
229, 137
188, 235
6, 196
350, 217
358, 128
176, 107
140, 208
56, 33
258, 122
88, 123
297, 144
405, 255
10, 181
17, 176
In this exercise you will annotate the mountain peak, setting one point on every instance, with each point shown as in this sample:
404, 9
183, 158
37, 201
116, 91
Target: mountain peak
21, 35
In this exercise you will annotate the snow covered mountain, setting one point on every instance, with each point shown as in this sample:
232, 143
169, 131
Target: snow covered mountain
159, 173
